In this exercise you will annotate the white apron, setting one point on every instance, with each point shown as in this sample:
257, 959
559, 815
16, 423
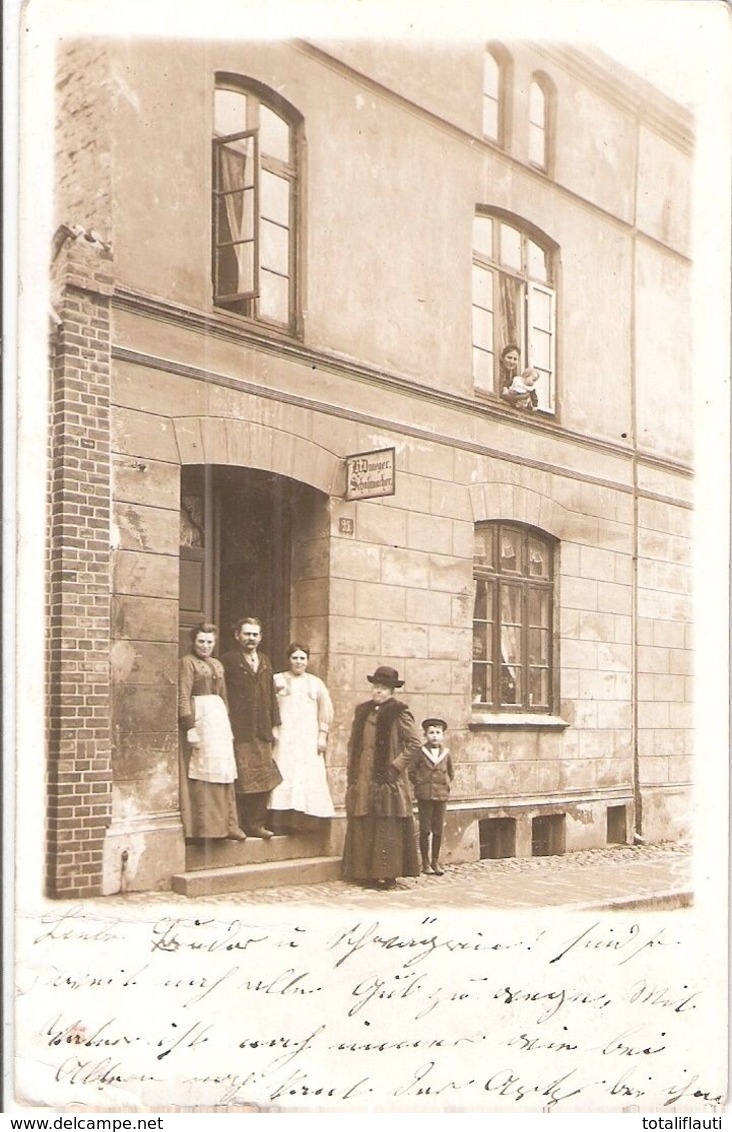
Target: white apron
213, 760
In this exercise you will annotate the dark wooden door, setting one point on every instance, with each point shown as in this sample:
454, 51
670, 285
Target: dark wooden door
253, 539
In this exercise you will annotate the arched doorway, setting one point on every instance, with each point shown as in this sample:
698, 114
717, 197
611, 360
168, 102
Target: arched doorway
252, 544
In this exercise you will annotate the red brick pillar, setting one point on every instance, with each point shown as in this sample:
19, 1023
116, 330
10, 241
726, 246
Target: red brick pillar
79, 747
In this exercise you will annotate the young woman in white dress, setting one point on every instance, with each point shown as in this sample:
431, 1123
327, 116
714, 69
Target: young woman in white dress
306, 711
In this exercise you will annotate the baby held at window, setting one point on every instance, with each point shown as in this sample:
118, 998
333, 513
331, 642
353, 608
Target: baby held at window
521, 393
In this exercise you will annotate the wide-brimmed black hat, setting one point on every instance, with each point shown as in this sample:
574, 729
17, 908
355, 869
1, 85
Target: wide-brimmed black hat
386, 675
434, 723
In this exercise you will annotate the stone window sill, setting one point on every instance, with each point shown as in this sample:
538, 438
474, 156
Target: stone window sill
516, 721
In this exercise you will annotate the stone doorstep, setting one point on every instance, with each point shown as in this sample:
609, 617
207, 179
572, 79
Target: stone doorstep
246, 878
255, 850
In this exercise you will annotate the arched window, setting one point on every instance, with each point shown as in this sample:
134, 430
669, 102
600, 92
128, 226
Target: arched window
539, 119
491, 96
496, 89
514, 304
255, 173
513, 650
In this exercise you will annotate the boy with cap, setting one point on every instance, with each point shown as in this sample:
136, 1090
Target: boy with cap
431, 776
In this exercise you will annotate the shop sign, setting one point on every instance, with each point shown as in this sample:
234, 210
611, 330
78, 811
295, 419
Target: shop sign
369, 474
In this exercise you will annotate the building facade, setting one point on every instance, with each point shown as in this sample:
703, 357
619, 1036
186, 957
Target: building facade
272, 257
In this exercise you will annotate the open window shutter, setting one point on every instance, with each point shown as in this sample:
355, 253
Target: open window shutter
541, 325
236, 217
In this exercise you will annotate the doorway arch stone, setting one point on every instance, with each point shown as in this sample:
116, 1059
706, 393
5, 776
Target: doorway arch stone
249, 444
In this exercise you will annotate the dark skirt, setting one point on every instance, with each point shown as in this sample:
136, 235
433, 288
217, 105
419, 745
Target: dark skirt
211, 809
379, 848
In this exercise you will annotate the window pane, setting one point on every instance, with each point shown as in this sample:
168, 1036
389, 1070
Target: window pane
235, 217
482, 369
274, 297
482, 642
537, 146
538, 562
483, 287
484, 546
511, 617
538, 687
242, 149
230, 112
510, 326
275, 248
541, 350
483, 608
235, 274
537, 262
541, 342
510, 684
491, 75
510, 246
275, 198
274, 134
510, 552
483, 236
483, 329
539, 605
537, 106
479, 609
490, 118
235, 164
510, 644
538, 646
482, 692
545, 392
541, 309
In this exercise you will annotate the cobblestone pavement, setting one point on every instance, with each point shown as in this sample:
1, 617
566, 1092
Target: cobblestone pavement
619, 875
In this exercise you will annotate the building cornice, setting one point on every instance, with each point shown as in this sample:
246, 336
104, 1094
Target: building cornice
497, 152
626, 90
591, 66
221, 326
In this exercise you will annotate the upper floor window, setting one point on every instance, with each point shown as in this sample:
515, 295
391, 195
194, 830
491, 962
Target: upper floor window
539, 106
513, 641
496, 83
491, 96
514, 312
254, 202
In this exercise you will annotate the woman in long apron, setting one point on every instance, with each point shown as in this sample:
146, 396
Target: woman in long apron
208, 802
306, 712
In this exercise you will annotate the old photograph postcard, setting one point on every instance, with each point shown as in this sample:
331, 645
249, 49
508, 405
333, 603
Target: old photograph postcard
367, 474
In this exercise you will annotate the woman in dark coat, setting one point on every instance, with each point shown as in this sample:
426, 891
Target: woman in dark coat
384, 743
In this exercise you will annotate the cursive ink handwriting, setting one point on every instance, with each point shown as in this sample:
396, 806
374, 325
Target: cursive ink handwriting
614, 941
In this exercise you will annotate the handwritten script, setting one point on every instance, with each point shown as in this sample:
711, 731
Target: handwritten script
297, 1008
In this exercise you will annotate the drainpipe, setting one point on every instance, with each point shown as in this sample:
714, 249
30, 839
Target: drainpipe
638, 801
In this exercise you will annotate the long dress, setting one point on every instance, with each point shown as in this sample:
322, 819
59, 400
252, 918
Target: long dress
208, 802
380, 835
305, 709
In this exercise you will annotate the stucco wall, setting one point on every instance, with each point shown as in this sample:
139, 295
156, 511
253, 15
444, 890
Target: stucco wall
387, 206
388, 199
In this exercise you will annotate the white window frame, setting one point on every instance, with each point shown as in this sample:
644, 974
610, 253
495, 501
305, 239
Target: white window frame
250, 302
526, 329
